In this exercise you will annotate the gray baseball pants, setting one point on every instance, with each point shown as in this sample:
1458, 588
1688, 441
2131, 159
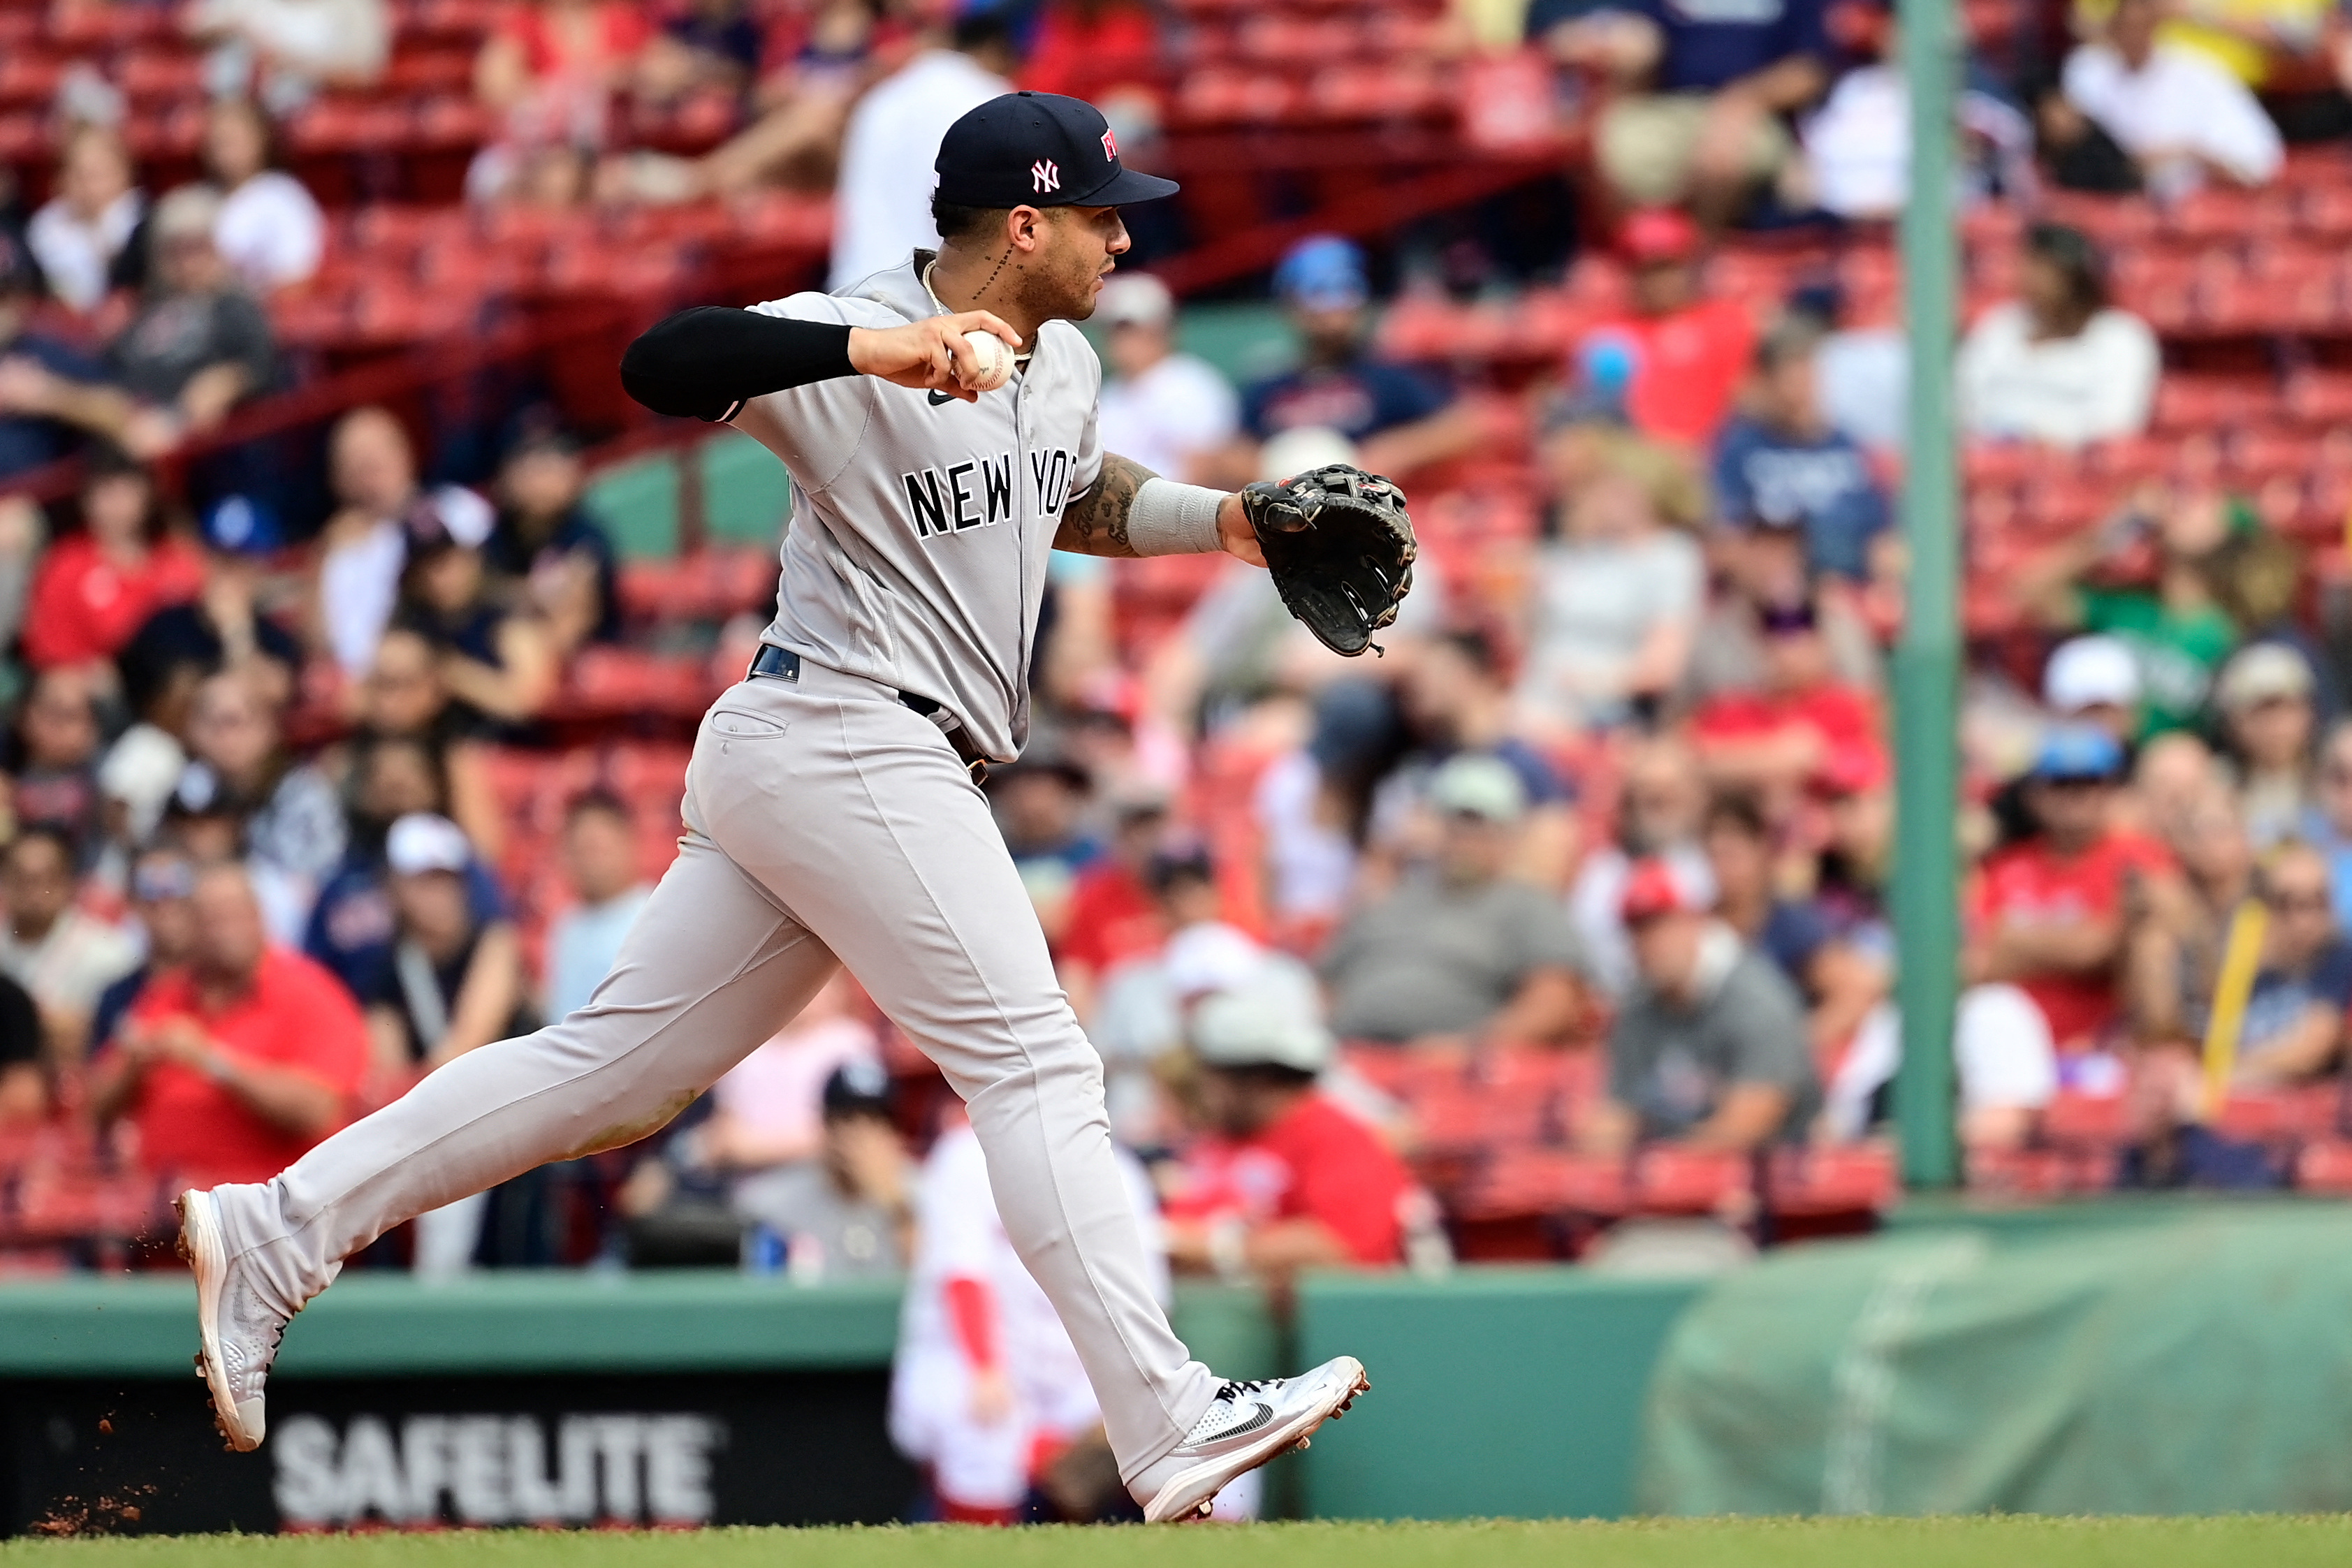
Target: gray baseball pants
827, 824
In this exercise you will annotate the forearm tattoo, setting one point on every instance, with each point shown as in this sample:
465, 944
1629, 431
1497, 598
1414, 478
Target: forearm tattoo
1094, 523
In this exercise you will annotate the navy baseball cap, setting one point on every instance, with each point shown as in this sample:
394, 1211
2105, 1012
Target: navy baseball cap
239, 525
1039, 149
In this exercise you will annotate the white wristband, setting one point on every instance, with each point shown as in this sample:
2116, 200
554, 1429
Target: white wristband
1170, 518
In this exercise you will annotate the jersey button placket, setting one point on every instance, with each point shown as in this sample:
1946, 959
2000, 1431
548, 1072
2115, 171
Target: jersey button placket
1021, 551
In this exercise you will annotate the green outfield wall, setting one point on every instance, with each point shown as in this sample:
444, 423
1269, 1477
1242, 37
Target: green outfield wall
2139, 1357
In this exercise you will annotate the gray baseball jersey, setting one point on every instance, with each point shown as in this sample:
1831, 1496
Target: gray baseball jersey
922, 522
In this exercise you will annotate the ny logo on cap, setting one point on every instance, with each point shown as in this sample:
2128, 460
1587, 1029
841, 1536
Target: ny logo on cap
1044, 175
1110, 146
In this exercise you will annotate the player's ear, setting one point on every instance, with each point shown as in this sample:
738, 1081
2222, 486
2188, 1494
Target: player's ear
1024, 227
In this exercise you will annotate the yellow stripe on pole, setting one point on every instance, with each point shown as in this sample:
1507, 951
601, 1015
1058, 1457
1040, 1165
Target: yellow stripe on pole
2232, 989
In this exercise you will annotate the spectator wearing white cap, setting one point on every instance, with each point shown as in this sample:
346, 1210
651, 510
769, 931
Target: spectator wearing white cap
456, 984
2094, 680
495, 661
1144, 1000
1460, 952
2269, 723
1286, 1179
1164, 408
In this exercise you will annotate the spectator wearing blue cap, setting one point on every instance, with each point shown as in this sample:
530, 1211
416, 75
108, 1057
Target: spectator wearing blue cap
1397, 421
222, 628
2049, 921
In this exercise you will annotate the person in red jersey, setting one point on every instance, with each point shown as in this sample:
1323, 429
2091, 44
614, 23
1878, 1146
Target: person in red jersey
1286, 1179
94, 589
2050, 916
1115, 913
1772, 739
1689, 351
237, 1063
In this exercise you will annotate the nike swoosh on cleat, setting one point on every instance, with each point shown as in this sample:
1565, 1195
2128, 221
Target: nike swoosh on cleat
1265, 1413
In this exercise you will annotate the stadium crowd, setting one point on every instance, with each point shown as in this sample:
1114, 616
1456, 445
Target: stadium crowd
1570, 907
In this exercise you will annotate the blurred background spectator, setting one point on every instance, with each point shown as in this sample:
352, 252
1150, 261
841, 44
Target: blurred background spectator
91, 237
1687, 346
837, 1190
1461, 952
1619, 585
1286, 1179
599, 853
97, 587
227, 1070
63, 955
2058, 363
285, 51
893, 135
1166, 408
1709, 1048
1395, 419
270, 231
2184, 118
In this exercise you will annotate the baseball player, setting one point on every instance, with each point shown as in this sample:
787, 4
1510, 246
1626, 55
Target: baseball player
831, 812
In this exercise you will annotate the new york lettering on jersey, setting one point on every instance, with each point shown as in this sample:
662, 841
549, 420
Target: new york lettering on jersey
978, 492
920, 531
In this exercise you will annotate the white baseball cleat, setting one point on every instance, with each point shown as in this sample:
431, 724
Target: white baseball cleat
1247, 1424
239, 1331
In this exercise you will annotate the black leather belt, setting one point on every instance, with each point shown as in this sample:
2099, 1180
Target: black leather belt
775, 664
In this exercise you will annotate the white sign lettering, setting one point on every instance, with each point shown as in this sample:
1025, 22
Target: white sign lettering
495, 1470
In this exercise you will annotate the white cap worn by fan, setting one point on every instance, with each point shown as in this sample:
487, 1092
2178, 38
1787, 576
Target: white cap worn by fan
1258, 1025
1136, 299
423, 842
2091, 672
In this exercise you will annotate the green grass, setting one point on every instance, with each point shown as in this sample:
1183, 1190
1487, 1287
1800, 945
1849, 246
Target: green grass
2011, 1542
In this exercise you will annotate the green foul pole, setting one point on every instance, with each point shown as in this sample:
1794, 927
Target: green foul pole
1927, 670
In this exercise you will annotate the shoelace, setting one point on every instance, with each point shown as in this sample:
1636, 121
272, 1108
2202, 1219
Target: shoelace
1236, 1387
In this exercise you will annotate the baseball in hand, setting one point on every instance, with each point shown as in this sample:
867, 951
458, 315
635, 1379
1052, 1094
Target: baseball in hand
996, 357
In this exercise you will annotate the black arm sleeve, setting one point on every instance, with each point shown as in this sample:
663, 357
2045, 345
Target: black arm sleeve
709, 361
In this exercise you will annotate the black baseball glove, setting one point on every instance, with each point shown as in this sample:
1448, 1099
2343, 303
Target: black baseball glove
1340, 548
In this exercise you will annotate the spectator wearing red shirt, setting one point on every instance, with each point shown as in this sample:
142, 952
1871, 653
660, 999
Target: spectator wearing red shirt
95, 588
1287, 1180
1771, 739
1114, 915
2050, 919
1689, 352
231, 1068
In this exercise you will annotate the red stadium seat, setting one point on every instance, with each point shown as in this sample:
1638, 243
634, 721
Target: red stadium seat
2096, 1121
1670, 1180
1865, 1178
2325, 1166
